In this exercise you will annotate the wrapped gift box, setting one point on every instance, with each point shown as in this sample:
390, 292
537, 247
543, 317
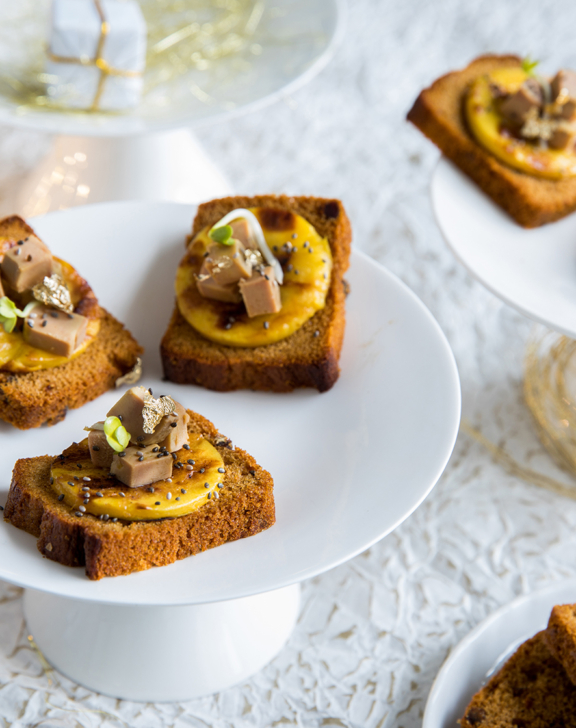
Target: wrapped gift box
96, 54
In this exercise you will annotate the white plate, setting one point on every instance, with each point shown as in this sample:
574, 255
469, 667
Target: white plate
297, 37
532, 270
486, 648
349, 465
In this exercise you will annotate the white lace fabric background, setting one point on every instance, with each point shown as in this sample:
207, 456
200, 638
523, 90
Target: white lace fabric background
374, 632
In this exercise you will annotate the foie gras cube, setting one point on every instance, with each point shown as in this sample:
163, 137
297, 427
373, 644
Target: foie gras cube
561, 138
226, 263
57, 332
564, 94
139, 465
516, 107
208, 288
178, 430
101, 453
26, 264
261, 293
20, 299
242, 231
129, 410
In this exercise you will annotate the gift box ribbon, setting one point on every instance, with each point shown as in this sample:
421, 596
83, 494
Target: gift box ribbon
98, 61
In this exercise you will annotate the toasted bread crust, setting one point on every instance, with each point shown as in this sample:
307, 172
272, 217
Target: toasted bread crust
438, 113
304, 359
31, 399
245, 507
531, 690
15, 226
560, 637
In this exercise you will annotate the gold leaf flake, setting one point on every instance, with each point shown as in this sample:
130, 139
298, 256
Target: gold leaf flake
254, 257
132, 376
154, 410
53, 292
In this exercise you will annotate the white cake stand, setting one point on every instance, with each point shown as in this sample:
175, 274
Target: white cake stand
535, 272
348, 465
532, 270
150, 153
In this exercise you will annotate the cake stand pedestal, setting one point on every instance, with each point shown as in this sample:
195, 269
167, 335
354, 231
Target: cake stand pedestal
209, 621
160, 654
532, 271
168, 165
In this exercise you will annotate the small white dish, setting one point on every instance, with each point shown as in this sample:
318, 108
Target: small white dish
349, 465
532, 270
482, 652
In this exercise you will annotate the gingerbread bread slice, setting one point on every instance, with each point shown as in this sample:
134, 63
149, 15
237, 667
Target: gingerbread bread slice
532, 690
560, 637
307, 358
31, 399
245, 507
439, 113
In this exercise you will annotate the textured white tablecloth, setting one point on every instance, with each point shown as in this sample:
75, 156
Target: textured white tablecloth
374, 632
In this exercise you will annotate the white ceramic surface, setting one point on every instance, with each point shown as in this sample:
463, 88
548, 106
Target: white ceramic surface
297, 39
532, 270
167, 166
131, 653
483, 651
349, 465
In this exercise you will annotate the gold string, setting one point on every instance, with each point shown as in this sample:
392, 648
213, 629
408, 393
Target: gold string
549, 386
99, 61
550, 395
46, 666
513, 467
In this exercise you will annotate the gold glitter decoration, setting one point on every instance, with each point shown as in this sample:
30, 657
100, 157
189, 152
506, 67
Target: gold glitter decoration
53, 292
154, 410
132, 376
187, 42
